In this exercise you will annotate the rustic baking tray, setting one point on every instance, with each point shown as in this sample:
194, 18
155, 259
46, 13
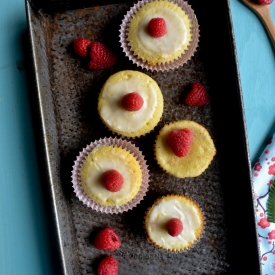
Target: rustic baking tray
67, 97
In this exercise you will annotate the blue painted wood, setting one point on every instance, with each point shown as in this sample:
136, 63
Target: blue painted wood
257, 70
26, 227
24, 219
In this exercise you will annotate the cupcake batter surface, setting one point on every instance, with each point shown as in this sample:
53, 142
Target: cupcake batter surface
200, 156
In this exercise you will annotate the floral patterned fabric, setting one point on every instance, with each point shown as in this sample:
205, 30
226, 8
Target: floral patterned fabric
262, 178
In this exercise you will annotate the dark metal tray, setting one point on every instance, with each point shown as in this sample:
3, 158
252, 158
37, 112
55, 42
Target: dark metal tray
67, 97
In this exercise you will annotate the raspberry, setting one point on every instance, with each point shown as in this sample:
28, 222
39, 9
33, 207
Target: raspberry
107, 239
82, 46
112, 180
157, 27
101, 57
174, 227
197, 95
180, 141
264, 2
108, 266
132, 102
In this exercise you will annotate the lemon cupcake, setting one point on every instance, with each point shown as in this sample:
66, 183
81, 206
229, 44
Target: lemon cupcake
160, 34
174, 223
130, 103
110, 175
184, 148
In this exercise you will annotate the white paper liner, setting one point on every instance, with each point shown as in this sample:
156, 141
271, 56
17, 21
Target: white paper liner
76, 175
186, 56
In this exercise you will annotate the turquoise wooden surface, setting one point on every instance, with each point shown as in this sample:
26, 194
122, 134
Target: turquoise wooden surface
25, 228
257, 70
24, 236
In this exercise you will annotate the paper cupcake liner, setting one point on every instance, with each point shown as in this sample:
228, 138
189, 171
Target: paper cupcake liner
169, 249
184, 58
76, 175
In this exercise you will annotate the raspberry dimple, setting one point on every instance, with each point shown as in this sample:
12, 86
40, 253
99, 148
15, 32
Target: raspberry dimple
112, 180
107, 239
101, 57
108, 266
132, 102
197, 96
82, 46
174, 227
180, 141
157, 27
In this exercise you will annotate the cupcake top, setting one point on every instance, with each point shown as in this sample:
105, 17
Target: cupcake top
110, 175
130, 103
176, 32
174, 222
127, 175
159, 35
184, 148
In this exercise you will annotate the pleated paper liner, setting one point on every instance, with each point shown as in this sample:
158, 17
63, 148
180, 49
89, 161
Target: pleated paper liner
76, 175
184, 58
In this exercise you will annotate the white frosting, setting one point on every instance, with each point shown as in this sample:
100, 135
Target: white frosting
94, 179
166, 210
172, 41
116, 116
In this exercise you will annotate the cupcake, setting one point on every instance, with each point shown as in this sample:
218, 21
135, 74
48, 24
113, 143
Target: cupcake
174, 223
130, 103
159, 34
110, 175
184, 148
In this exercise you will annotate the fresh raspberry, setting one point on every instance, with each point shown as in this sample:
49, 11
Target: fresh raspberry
82, 46
174, 227
264, 2
197, 95
180, 141
101, 57
108, 266
112, 180
107, 239
132, 102
157, 27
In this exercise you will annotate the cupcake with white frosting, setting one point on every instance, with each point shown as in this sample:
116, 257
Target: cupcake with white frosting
130, 103
110, 175
174, 223
160, 34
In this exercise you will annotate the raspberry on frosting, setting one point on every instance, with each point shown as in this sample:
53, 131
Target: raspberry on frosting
112, 180
132, 102
157, 27
174, 227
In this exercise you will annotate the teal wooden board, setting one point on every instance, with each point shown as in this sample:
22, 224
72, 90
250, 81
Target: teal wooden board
24, 247
257, 70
